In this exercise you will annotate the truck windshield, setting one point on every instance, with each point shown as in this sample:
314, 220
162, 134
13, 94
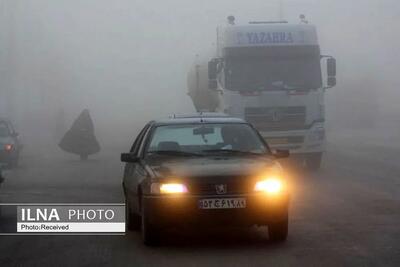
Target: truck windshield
273, 71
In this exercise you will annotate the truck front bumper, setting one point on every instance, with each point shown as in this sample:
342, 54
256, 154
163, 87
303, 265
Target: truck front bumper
311, 140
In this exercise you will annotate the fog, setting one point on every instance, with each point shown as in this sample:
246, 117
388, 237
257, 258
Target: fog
126, 61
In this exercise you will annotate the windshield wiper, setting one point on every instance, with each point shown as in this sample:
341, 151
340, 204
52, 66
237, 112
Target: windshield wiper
231, 151
174, 153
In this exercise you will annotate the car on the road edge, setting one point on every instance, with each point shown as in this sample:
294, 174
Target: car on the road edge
10, 145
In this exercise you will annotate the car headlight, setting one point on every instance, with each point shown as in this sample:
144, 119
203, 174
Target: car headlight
168, 188
271, 185
8, 147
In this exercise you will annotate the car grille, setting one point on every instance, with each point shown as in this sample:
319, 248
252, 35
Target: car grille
277, 118
211, 188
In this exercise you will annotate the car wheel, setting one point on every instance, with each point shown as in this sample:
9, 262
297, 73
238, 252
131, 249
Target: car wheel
278, 231
150, 233
313, 161
133, 220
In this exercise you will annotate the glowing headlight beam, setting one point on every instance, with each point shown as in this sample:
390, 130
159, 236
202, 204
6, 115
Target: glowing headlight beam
169, 188
270, 185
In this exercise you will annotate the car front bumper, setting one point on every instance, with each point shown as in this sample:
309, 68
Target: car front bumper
184, 210
6, 156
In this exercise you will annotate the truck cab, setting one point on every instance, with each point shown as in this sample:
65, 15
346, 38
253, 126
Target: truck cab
270, 74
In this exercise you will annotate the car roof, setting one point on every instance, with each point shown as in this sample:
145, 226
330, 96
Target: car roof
199, 118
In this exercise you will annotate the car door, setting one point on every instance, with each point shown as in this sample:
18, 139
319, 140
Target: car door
133, 172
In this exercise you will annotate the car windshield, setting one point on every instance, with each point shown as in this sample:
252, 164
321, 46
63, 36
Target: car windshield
204, 139
4, 131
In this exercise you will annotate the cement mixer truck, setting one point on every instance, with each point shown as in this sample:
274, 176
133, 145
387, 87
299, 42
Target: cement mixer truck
270, 74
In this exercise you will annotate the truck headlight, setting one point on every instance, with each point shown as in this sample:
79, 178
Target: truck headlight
271, 185
168, 188
317, 134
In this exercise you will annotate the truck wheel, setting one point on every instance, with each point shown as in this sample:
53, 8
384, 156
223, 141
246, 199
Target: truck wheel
278, 231
313, 161
132, 219
150, 233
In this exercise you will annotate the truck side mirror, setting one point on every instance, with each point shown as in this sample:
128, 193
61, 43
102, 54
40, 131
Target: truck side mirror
331, 67
212, 69
331, 81
331, 71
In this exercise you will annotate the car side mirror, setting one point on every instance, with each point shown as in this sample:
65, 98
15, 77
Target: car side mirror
129, 158
280, 154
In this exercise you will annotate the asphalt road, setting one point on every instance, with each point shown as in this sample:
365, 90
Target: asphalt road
347, 214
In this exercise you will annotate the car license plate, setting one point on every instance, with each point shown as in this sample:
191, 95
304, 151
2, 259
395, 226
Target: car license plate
222, 203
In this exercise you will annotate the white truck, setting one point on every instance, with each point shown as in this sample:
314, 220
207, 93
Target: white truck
268, 73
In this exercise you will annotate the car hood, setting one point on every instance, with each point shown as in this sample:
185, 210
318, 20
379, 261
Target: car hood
209, 167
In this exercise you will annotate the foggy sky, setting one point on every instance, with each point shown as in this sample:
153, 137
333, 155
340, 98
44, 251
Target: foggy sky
127, 60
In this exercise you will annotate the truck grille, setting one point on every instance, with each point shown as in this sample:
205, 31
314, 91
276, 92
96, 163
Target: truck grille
285, 140
276, 118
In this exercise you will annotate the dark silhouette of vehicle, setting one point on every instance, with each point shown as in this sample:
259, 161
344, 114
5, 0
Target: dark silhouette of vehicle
10, 145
